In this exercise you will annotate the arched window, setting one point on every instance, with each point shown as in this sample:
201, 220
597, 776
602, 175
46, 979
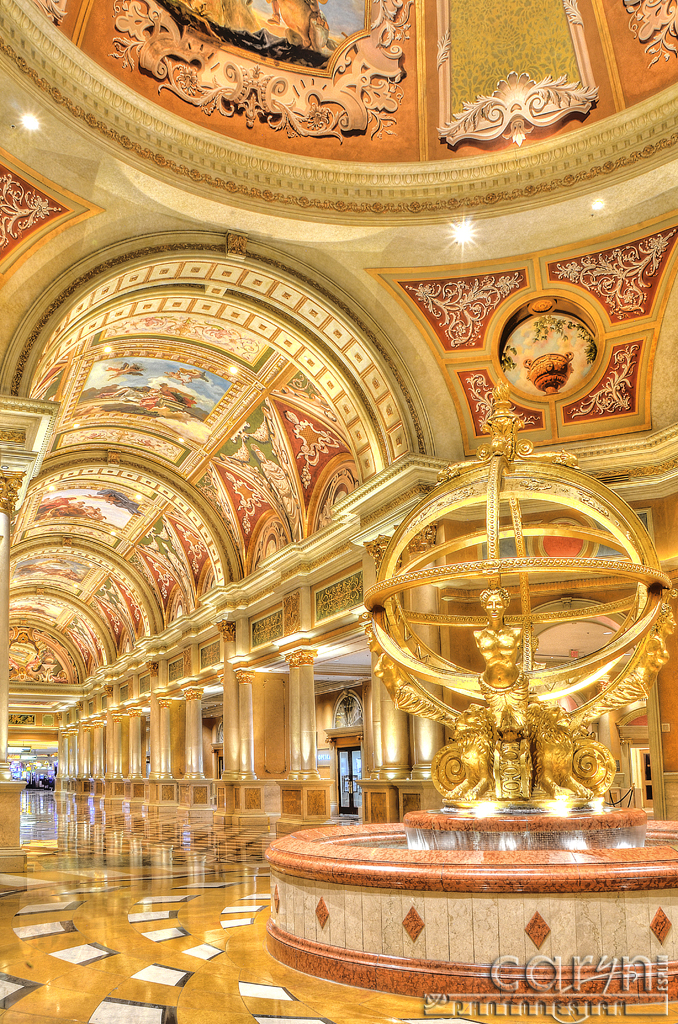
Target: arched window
348, 710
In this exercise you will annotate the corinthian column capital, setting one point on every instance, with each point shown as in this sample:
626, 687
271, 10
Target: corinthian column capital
10, 484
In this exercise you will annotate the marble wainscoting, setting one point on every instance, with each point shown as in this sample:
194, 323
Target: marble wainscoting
369, 912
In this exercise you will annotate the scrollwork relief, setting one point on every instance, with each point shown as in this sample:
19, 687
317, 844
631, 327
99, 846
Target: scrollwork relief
655, 24
461, 306
622, 278
360, 94
20, 209
54, 9
616, 391
516, 107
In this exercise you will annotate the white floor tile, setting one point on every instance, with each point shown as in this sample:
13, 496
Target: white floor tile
8, 988
48, 908
239, 910
208, 885
165, 899
162, 975
264, 991
111, 1012
203, 952
86, 954
256, 896
265, 1019
164, 934
237, 923
152, 915
34, 931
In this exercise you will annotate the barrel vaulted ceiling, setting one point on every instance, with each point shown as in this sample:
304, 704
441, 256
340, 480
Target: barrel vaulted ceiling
209, 415
436, 105
227, 258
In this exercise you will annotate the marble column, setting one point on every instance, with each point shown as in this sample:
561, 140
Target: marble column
194, 754
86, 757
99, 751
231, 706
246, 713
294, 720
165, 738
135, 756
9, 492
62, 770
303, 730
117, 747
154, 725
72, 753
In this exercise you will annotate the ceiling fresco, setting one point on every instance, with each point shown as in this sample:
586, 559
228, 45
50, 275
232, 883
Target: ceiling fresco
383, 80
574, 336
194, 439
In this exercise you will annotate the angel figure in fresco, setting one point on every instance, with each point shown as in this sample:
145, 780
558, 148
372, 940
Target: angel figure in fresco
120, 501
126, 370
304, 23
186, 375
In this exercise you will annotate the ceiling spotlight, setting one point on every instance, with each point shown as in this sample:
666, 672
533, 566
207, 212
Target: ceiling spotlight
232, 369
108, 350
51, 488
138, 497
463, 232
30, 122
597, 204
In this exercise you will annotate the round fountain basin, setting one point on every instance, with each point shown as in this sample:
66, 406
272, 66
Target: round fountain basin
525, 827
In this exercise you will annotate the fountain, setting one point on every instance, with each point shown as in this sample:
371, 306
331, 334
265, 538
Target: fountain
525, 887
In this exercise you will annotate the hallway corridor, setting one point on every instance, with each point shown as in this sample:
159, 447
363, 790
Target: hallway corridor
125, 920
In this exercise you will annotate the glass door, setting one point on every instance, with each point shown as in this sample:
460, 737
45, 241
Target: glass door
350, 764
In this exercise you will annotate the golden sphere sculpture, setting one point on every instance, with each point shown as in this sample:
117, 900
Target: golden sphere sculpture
521, 742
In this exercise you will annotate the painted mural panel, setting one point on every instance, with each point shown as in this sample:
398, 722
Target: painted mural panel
235, 340
148, 442
304, 32
102, 505
32, 660
178, 397
34, 604
43, 567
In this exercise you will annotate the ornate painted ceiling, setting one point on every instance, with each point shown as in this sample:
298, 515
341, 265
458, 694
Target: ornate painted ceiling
279, 73
198, 434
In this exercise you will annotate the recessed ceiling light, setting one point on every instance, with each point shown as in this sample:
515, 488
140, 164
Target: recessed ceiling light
108, 350
30, 122
232, 368
463, 232
138, 497
51, 488
76, 425
597, 204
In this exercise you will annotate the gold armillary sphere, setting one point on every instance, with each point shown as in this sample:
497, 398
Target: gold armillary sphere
501, 507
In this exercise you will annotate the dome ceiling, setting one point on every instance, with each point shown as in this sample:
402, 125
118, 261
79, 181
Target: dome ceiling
195, 438
384, 81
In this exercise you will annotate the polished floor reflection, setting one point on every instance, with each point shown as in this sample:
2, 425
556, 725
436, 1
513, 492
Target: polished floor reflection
124, 918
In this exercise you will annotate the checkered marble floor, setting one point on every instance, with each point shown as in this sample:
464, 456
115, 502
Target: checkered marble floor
125, 920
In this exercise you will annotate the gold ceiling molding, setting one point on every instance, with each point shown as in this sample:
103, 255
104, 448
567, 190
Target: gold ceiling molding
601, 153
102, 558
316, 318
60, 468
73, 605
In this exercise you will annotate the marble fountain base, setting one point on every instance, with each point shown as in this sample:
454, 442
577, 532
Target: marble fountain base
537, 927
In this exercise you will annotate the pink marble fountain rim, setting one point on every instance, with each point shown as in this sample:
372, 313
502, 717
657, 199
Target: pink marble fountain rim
326, 854
590, 821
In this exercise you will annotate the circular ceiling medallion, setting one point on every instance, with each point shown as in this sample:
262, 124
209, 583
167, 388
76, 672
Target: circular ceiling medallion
549, 354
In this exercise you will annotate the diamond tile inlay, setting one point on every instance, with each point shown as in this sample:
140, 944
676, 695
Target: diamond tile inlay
660, 925
537, 929
413, 924
322, 913
276, 899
